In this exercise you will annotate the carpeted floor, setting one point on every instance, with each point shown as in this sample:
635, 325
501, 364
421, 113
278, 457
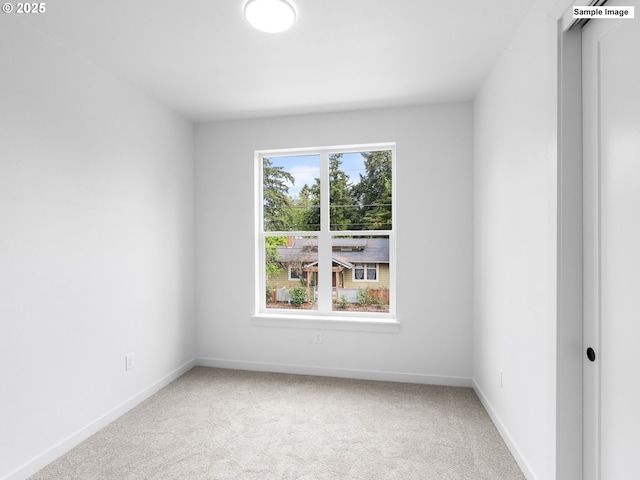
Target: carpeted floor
227, 424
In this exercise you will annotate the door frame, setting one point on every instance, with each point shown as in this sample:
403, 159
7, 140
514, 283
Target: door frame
577, 387
594, 451
570, 435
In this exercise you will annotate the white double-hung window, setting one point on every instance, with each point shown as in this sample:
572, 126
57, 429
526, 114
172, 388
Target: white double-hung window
325, 243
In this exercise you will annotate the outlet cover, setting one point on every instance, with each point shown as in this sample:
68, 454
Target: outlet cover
129, 361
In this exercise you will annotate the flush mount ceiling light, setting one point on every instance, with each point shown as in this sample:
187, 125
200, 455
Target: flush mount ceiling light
271, 16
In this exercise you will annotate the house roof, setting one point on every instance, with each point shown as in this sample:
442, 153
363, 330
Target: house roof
339, 262
345, 250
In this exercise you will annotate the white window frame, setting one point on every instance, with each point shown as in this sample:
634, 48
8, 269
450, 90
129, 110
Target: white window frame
366, 268
325, 316
291, 277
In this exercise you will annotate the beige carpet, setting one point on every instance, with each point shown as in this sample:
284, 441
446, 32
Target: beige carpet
226, 424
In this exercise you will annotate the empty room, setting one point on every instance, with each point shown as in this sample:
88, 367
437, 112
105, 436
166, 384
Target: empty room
338, 239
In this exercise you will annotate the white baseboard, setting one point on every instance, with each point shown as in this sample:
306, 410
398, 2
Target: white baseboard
336, 372
82, 434
504, 433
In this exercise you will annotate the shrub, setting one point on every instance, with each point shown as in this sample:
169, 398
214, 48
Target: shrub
297, 295
362, 297
343, 302
268, 292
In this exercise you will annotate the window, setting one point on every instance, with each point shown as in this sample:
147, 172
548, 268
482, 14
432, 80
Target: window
294, 274
365, 272
326, 226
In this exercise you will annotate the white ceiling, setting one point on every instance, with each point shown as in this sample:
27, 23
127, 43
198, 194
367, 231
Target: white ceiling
202, 59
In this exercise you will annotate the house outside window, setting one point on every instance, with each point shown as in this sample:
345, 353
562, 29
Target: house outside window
326, 231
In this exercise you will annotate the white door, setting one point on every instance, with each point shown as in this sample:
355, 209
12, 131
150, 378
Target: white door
611, 141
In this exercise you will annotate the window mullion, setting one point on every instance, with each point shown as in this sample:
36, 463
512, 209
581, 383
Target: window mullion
324, 240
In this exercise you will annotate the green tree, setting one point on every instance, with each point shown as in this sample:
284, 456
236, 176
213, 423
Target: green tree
311, 215
374, 192
273, 261
306, 208
277, 202
343, 205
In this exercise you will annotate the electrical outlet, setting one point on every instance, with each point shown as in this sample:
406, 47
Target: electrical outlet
129, 361
318, 338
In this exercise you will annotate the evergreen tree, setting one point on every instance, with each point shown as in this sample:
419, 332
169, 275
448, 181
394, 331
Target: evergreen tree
277, 202
307, 208
312, 214
363, 206
374, 193
343, 206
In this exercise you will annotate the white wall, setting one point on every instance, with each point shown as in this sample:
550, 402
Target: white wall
96, 247
434, 238
515, 191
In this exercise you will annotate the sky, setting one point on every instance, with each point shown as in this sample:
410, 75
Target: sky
306, 168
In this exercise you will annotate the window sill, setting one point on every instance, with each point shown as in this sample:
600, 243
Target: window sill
327, 322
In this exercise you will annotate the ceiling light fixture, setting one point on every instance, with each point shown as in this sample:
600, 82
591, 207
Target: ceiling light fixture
271, 16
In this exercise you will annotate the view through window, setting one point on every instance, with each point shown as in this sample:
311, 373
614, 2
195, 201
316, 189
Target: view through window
327, 230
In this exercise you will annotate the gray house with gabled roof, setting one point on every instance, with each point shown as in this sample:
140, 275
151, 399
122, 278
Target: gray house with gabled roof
357, 264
